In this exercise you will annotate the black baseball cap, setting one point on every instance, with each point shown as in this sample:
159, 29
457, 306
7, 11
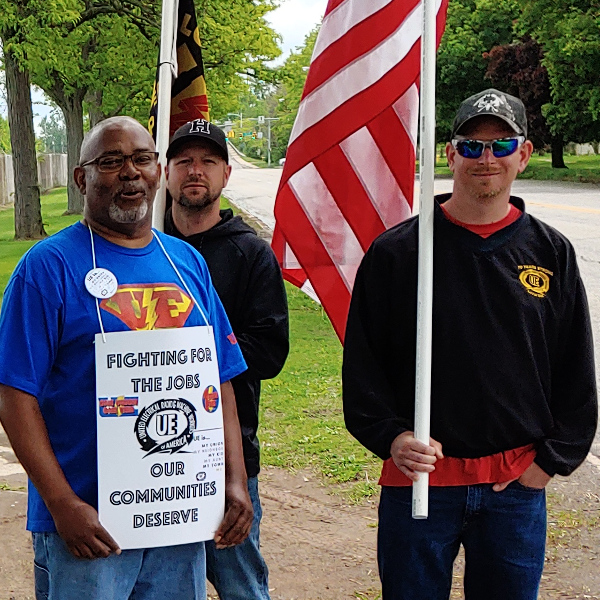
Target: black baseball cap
198, 129
492, 103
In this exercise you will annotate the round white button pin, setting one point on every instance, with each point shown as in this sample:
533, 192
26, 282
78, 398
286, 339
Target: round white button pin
101, 283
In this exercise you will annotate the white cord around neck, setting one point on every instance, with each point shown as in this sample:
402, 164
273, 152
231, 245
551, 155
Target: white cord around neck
96, 299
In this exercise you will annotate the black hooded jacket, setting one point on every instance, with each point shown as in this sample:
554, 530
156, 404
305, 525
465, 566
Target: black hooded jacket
248, 279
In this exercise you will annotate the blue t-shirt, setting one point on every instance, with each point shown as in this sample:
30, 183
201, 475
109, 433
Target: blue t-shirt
48, 323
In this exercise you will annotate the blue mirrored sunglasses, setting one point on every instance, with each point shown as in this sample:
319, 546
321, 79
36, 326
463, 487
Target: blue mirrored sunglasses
475, 148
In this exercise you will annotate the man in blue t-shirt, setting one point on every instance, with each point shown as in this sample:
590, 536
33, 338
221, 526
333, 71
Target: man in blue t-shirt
47, 372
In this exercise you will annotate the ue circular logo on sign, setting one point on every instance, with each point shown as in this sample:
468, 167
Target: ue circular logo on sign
166, 426
210, 399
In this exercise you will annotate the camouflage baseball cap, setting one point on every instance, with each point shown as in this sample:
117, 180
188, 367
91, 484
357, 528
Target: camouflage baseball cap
492, 103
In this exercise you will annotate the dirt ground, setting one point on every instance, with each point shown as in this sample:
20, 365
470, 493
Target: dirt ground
320, 547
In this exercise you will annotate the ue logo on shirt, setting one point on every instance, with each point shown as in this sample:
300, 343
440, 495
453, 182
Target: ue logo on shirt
536, 280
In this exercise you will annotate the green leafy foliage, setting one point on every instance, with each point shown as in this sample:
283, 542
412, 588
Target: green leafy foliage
106, 51
4, 136
53, 132
569, 32
237, 42
292, 75
473, 27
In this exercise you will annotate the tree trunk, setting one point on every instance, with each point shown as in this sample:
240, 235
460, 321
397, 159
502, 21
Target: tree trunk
72, 109
558, 161
94, 100
28, 208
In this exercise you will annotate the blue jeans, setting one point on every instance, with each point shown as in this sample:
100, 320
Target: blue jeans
240, 572
503, 533
169, 573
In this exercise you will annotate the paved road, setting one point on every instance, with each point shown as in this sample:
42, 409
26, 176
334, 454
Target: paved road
254, 190
574, 209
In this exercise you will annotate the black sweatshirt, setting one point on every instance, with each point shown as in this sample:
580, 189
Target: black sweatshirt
248, 279
512, 359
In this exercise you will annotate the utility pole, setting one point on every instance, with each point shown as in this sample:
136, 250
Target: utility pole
262, 119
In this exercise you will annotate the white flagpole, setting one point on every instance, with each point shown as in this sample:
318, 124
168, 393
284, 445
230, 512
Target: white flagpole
420, 504
163, 116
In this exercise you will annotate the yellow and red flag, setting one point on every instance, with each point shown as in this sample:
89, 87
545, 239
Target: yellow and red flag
189, 98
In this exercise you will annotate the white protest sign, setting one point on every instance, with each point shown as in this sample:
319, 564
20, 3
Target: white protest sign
161, 452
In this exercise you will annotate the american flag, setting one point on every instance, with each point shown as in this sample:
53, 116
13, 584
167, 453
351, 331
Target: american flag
350, 164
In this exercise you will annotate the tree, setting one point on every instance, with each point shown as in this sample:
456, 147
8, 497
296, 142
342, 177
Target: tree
237, 41
285, 101
28, 208
28, 211
473, 27
104, 52
54, 132
73, 64
85, 62
569, 33
518, 69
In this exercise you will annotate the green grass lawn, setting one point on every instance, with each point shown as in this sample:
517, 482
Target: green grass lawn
54, 204
581, 169
302, 426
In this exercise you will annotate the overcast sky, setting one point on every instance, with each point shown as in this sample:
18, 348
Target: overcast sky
294, 19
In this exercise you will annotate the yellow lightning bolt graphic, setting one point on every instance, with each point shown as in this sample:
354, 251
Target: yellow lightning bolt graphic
150, 305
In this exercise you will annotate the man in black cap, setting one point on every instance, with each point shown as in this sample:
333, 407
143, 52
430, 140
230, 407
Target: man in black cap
248, 280
513, 397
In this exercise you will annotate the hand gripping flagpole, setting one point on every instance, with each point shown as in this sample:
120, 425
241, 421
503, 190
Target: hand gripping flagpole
420, 503
163, 115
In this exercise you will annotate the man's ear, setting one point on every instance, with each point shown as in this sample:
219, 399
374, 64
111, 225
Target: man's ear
79, 178
226, 175
525, 151
450, 154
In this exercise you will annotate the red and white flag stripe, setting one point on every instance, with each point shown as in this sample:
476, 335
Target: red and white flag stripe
349, 171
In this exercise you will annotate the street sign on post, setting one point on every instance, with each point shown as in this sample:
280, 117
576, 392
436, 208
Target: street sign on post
261, 120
